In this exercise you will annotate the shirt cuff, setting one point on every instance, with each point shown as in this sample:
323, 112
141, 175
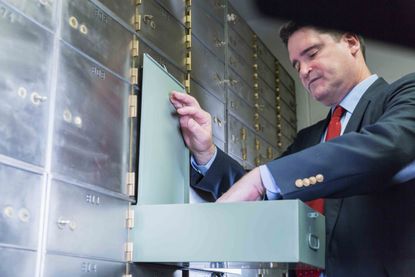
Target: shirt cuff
202, 169
272, 190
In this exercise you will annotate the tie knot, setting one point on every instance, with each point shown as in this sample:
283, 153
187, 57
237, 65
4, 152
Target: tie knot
338, 111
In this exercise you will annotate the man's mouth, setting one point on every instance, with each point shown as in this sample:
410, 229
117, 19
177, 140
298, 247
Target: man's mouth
312, 81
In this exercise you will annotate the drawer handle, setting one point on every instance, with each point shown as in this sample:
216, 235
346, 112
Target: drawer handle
217, 121
231, 17
37, 98
148, 19
62, 223
313, 241
219, 43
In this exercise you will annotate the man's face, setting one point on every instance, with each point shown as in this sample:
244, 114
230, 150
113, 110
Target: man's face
325, 64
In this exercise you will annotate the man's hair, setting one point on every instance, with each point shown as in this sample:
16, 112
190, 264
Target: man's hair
289, 28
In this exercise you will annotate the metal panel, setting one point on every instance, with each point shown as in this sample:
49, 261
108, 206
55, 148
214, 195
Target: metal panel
295, 224
241, 143
239, 64
91, 123
237, 23
240, 109
85, 222
124, 9
64, 266
287, 129
284, 142
86, 27
265, 55
162, 149
285, 78
176, 8
240, 46
240, 87
212, 105
213, 36
41, 11
287, 96
21, 194
208, 70
215, 7
264, 151
265, 73
267, 131
288, 113
24, 69
17, 263
172, 69
268, 111
266, 93
163, 30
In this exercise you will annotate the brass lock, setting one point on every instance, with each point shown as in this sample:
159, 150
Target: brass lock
243, 134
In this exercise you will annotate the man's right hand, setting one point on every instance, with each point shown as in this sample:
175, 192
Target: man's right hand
196, 126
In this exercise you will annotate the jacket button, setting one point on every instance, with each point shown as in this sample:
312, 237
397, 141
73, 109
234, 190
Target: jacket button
319, 178
313, 180
299, 183
306, 182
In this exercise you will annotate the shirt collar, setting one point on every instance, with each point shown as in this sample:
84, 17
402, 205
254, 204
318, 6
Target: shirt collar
350, 101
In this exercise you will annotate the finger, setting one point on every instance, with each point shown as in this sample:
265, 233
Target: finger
197, 113
184, 99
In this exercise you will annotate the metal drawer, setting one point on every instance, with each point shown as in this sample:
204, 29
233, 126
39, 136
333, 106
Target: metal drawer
287, 96
264, 54
237, 63
85, 222
285, 78
163, 30
86, 27
17, 263
241, 142
208, 70
264, 151
266, 93
268, 111
124, 9
267, 131
21, 196
240, 87
24, 68
284, 142
177, 8
240, 46
89, 144
265, 73
213, 106
214, 7
237, 23
240, 109
213, 36
288, 113
287, 129
42, 11
65, 266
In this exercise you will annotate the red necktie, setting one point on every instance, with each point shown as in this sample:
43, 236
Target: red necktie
333, 130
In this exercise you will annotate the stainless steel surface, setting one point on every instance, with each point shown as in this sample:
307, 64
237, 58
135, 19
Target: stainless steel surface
86, 223
287, 95
288, 113
24, 67
17, 263
237, 23
208, 70
66, 266
267, 74
175, 8
264, 54
287, 129
285, 78
123, 9
242, 66
243, 89
212, 37
215, 7
240, 109
239, 45
267, 131
216, 109
91, 137
42, 11
162, 30
266, 92
20, 196
268, 111
87, 27
241, 143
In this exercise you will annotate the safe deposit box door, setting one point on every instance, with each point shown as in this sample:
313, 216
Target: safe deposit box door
266, 234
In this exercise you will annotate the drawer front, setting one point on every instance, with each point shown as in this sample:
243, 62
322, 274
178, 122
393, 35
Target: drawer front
240, 109
25, 65
177, 8
241, 143
268, 111
264, 54
288, 113
42, 11
266, 92
17, 263
240, 87
178, 73
237, 23
213, 106
161, 29
124, 9
21, 195
287, 129
264, 151
214, 7
267, 131
240, 46
213, 36
208, 70
91, 135
284, 142
238, 64
287, 96
285, 78
64, 266
86, 27
85, 222
265, 73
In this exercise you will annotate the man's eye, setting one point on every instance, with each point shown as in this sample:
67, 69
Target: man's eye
313, 53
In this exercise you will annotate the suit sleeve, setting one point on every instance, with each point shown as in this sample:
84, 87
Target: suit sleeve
223, 173
358, 162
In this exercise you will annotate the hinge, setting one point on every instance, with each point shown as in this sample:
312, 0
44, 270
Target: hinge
130, 219
131, 183
137, 2
134, 76
187, 83
189, 40
188, 3
189, 61
127, 275
137, 21
134, 47
129, 251
188, 18
132, 105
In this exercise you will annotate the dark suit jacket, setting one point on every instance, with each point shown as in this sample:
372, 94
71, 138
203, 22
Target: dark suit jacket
370, 220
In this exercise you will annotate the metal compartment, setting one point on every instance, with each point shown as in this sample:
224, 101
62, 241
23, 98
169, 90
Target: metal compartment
215, 7
17, 263
241, 143
176, 8
237, 23
240, 109
264, 54
265, 73
285, 78
287, 96
241, 66
240, 45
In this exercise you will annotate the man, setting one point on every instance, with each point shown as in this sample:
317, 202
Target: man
365, 175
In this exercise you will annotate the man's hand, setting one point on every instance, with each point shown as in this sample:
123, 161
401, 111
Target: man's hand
196, 126
248, 188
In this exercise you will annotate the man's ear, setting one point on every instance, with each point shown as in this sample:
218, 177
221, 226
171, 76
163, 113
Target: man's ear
353, 42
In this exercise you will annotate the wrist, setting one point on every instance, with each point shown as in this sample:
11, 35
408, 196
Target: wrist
204, 157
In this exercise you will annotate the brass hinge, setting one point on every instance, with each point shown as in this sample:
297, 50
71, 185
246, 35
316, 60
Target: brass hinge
188, 3
134, 76
189, 61
188, 19
187, 83
137, 21
129, 251
137, 2
130, 219
134, 47
132, 105
131, 183
189, 40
